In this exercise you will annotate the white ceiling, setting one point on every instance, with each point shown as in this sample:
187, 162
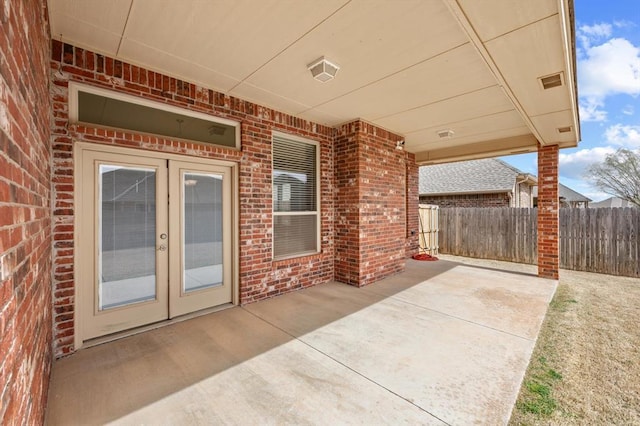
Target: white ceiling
412, 66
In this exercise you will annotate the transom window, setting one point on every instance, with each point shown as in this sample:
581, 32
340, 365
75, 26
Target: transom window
296, 221
106, 108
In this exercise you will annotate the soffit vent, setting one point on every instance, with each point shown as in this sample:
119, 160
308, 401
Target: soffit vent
551, 81
445, 134
566, 129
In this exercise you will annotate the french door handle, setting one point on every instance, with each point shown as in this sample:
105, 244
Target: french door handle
162, 247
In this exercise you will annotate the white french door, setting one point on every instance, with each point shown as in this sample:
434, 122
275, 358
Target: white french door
200, 237
154, 238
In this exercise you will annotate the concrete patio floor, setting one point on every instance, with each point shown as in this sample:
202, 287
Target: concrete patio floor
442, 343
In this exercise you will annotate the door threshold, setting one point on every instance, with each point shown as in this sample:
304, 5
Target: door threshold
144, 328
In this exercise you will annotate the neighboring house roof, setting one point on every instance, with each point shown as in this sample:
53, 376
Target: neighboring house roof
488, 175
612, 202
566, 193
569, 194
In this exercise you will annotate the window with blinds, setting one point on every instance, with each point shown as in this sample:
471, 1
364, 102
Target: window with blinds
296, 221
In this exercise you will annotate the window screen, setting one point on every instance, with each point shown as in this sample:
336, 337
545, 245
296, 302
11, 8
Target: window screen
295, 198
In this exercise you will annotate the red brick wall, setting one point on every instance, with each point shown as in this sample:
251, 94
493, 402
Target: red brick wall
548, 213
413, 226
260, 277
370, 204
467, 200
25, 218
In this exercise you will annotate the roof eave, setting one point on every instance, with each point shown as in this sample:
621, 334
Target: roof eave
443, 194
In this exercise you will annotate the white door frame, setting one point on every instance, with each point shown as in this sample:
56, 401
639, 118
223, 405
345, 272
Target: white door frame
80, 296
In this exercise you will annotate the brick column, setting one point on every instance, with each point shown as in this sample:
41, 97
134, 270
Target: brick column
371, 204
548, 213
347, 224
412, 212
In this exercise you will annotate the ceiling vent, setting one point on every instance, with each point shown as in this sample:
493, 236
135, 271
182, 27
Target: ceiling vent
566, 129
445, 134
323, 70
550, 81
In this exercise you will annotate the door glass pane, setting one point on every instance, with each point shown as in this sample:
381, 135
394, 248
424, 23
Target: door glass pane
127, 230
202, 244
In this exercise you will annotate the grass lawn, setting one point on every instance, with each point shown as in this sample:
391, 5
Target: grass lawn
585, 368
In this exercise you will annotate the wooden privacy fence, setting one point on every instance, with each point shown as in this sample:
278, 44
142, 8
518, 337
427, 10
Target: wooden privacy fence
604, 240
489, 233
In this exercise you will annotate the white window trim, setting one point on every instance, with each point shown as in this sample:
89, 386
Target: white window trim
317, 213
75, 87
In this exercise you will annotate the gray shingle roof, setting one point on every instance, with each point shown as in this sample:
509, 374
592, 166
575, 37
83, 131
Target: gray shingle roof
567, 193
474, 176
612, 202
571, 195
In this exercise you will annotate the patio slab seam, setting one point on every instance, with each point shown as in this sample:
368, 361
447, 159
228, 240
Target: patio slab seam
345, 366
399, 299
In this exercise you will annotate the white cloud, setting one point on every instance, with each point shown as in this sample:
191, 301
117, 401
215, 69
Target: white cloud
624, 24
592, 109
573, 165
628, 109
623, 135
596, 31
586, 35
606, 67
609, 69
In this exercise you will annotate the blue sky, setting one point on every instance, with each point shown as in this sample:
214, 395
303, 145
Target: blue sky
608, 56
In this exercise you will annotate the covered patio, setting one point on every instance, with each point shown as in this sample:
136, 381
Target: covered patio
441, 343
306, 122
